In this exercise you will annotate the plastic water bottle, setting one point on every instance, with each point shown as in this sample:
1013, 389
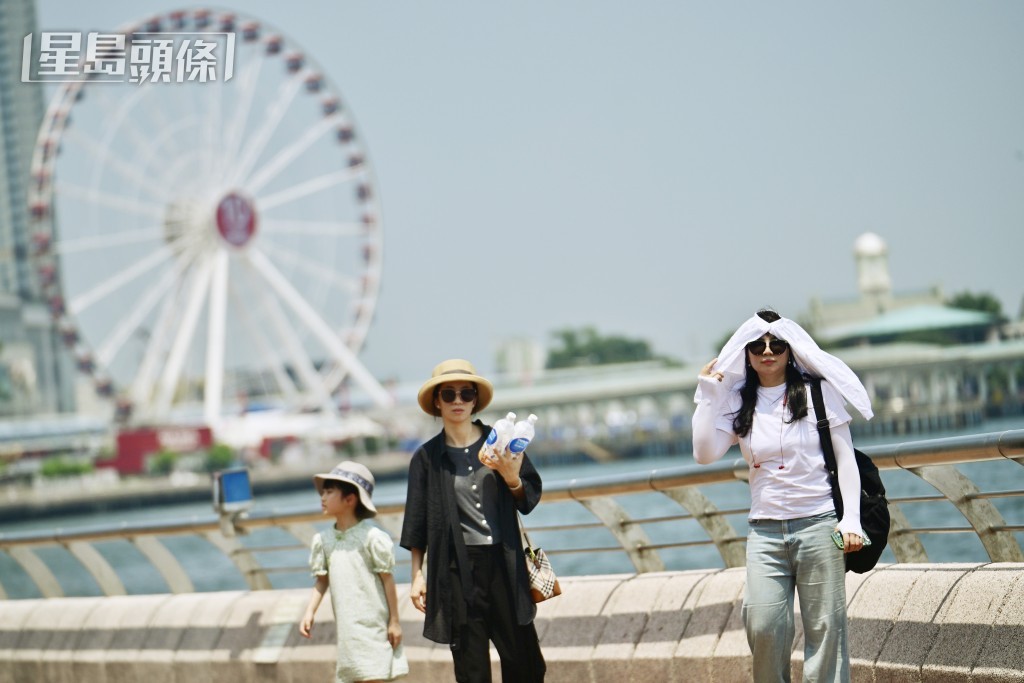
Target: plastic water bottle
501, 434
522, 435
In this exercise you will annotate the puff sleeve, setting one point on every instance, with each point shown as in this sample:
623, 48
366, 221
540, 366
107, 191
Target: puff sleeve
381, 550
317, 557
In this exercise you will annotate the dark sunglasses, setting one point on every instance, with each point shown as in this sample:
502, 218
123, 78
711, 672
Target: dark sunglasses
778, 346
467, 395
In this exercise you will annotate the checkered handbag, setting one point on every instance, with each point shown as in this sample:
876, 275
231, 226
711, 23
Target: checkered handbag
543, 582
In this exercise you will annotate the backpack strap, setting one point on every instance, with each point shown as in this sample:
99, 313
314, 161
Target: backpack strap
825, 436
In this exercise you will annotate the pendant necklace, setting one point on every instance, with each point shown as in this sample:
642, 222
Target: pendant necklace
782, 427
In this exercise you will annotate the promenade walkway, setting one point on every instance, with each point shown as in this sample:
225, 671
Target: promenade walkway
932, 622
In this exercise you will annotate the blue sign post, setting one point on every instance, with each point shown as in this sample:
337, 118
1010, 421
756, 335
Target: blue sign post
232, 490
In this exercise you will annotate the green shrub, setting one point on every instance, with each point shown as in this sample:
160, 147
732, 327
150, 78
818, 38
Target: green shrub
64, 467
219, 457
163, 462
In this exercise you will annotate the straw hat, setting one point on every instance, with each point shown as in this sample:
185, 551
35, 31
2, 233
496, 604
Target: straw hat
454, 370
355, 474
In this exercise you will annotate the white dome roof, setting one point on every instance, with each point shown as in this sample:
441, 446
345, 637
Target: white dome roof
870, 244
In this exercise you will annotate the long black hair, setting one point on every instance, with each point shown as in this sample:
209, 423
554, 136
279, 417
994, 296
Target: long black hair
796, 392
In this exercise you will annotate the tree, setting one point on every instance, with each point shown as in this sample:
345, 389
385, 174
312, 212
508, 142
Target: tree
983, 301
586, 346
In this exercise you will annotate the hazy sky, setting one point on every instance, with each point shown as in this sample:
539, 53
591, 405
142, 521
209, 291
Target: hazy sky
660, 169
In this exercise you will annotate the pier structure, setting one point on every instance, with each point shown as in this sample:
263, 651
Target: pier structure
606, 412
641, 409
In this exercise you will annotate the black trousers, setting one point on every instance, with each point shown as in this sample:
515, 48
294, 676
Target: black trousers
492, 618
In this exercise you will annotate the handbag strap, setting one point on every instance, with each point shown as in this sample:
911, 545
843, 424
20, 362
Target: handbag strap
522, 531
525, 538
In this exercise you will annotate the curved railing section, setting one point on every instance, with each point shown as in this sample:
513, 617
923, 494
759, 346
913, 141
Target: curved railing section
262, 546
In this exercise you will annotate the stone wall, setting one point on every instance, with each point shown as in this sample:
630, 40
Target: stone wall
932, 622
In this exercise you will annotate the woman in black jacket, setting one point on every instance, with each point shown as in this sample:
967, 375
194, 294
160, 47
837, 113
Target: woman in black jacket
476, 587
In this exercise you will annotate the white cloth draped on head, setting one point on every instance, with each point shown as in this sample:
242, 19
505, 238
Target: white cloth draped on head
807, 355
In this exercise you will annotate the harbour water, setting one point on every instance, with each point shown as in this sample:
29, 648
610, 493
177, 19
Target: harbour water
572, 549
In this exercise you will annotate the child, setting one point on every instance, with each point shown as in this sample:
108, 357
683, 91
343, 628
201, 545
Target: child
356, 558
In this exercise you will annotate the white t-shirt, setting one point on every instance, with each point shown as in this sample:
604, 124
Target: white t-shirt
801, 487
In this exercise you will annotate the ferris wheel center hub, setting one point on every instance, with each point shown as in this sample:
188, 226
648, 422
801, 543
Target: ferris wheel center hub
236, 219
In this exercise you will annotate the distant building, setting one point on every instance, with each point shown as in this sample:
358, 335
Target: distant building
36, 373
875, 298
520, 360
926, 365
928, 324
880, 316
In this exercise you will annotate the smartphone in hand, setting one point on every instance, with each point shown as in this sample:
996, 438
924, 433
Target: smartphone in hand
837, 538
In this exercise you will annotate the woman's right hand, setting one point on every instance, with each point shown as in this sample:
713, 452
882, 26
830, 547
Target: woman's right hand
707, 371
418, 592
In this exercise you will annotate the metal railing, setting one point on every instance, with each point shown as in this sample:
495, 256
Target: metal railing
606, 498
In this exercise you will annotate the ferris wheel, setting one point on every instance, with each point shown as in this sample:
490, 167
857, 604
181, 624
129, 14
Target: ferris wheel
199, 243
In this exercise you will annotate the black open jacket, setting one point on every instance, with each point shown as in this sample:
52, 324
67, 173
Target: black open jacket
432, 524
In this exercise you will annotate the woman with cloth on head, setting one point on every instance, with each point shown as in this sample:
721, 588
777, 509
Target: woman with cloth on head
462, 509
754, 394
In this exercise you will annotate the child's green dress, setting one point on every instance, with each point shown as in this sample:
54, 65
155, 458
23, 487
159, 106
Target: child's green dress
352, 559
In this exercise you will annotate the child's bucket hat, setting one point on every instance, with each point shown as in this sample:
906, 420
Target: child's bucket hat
355, 474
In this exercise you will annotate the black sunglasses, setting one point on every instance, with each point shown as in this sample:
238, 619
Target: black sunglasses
467, 394
778, 346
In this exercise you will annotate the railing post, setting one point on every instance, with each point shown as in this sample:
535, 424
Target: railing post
106, 578
717, 527
227, 541
165, 562
1001, 546
905, 544
37, 571
632, 538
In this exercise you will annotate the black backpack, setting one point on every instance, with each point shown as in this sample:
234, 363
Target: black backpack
874, 508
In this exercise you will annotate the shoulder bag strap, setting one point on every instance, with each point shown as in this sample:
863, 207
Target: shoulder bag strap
525, 538
825, 436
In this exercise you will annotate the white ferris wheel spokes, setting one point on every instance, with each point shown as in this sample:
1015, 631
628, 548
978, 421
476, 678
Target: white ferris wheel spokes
204, 245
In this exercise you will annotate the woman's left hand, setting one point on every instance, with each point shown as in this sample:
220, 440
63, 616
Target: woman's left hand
506, 464
852, 543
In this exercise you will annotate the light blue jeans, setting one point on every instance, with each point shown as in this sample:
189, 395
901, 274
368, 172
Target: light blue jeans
788, 555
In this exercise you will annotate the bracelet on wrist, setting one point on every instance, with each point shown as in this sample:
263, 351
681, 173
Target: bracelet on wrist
517, 486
